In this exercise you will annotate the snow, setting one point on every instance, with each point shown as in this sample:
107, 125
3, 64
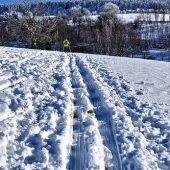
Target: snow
148, 77
131, 17
78, 111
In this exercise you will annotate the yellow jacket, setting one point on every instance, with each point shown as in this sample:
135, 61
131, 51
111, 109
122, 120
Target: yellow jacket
66, 43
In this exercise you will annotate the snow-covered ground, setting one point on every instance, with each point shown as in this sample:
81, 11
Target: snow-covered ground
75, 111
131, 17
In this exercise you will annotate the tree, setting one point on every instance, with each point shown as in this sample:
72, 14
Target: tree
157, 8
75, 12
110, 9
108, 35
4, 35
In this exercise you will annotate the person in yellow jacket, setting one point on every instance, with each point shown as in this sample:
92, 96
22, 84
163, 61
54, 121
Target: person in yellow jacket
66, 45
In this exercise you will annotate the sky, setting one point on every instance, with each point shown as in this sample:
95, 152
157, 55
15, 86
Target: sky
19, 1
9, 1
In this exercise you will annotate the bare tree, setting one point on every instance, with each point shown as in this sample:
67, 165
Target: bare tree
4, 35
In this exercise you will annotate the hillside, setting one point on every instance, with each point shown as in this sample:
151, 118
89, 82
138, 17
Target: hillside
78, 111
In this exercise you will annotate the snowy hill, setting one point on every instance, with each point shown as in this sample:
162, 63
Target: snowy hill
75, 111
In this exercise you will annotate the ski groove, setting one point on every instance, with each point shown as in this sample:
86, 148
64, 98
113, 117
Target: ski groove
84, 141
103, 115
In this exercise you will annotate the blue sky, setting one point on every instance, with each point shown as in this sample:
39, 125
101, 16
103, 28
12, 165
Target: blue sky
9, 1
18, 1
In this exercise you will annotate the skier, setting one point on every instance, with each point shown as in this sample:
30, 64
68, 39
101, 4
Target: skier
66, 45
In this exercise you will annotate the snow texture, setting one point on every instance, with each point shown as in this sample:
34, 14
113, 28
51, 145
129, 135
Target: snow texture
75, 111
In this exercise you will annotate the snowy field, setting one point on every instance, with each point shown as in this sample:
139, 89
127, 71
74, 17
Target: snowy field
83, 112
131, 17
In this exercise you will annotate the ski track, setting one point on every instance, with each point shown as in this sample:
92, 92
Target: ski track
103, 115
87, 149
143, 123
68, 111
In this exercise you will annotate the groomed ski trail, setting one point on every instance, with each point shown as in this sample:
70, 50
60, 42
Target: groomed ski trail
103, 115
87, 149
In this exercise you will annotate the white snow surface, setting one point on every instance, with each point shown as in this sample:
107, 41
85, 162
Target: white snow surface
131, 17
83, 112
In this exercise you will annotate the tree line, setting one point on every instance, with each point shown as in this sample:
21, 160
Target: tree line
104, 34
52, 8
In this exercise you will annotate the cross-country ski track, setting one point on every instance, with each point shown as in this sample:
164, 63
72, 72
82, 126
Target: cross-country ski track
71, 111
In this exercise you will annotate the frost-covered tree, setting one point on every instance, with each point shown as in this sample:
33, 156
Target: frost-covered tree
75, 11
110, 8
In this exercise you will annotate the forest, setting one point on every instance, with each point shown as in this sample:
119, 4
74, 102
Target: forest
97, 31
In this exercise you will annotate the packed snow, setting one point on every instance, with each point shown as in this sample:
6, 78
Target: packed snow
77, 111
